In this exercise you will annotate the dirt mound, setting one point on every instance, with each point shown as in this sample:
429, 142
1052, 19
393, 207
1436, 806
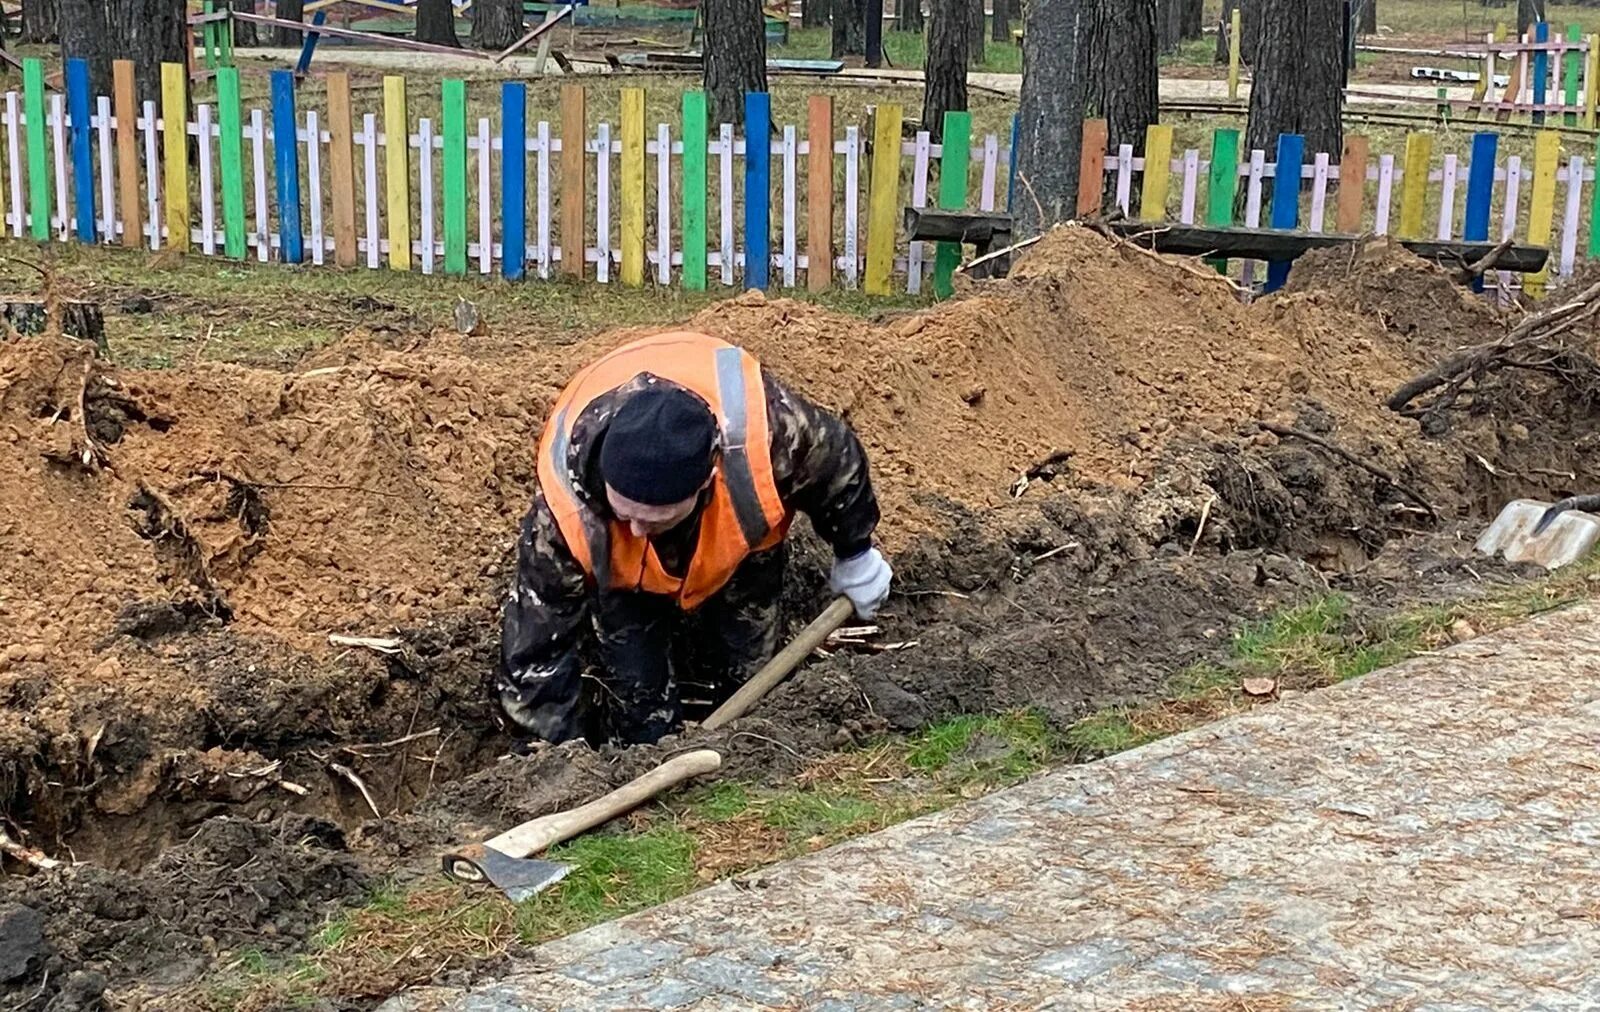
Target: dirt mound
1415, 304
1073, 481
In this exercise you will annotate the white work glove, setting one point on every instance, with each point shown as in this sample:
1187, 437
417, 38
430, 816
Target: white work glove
864, 579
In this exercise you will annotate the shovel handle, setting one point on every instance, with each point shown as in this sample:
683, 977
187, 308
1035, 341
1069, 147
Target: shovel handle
786, 660
547, 830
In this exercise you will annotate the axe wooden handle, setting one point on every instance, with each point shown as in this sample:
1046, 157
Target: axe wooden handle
786, 660
547, 830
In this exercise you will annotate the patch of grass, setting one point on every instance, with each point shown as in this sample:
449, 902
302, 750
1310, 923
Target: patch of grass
612, 874
721, 802
1105, 732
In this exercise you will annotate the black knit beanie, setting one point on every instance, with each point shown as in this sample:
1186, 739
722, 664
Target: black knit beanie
658, 447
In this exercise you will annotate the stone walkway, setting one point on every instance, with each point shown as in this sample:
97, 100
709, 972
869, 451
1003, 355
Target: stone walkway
1422, 838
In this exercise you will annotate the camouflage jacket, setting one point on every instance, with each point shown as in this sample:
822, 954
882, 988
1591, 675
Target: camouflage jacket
819, 467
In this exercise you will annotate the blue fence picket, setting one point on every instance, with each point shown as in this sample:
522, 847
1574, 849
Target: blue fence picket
1480, 192
1011, 167
514, 177
757, 188
1286, 199
1541, 68
286, 163
82, 159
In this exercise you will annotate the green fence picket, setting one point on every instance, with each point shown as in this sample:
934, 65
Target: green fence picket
694, 190
1224, 184
455, 176
954, 165
230, 128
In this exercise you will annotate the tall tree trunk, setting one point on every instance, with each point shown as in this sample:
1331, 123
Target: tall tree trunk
85, 35
813, 13
979, 33
39, 20
1225, 30
1168, 34
945, 69
288, 10
849, 28
908, 15
1297, 82
735, 56
1049, 144
436, 23
244, 33
496, 24
1367, 23
1529, 12
1000, 21
1191, 19
1120, 72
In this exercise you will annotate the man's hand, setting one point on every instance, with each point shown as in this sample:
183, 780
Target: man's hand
864, 579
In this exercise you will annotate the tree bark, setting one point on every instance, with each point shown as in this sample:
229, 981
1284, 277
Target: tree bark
735, 56
908, 16
1297, 84
436, 23
1367, 21
813, 13
496, 24
244, 33
1000, 21
849, 28
1049, 144
1191, 19
288, 10
975, 41
148, 32
1529, 12
1168, 26
1120, 73
40, 20
945, 68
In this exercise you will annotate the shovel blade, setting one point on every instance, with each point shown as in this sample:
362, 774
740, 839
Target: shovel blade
1568, 538
520, 877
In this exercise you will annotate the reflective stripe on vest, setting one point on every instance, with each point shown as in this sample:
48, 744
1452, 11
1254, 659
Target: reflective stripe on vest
743, 494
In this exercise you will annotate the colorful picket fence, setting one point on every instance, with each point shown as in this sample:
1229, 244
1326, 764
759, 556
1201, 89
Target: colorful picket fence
1300, 190
511, 198
1548, 72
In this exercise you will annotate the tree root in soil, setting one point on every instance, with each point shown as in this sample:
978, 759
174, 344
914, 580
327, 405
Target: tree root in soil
1286, 431
1538, 344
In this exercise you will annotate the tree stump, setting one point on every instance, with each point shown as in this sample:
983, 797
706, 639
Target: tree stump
27, 315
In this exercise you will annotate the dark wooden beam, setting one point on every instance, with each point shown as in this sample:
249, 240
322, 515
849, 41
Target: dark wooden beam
977, 227
1268, 244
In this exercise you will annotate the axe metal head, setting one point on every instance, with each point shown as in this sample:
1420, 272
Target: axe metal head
518, 877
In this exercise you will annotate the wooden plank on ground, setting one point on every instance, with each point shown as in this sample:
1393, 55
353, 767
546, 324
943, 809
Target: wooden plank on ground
1274, 244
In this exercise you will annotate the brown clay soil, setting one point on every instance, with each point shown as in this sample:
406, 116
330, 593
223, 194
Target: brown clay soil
1075, 488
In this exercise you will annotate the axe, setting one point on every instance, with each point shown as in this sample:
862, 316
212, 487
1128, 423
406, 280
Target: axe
504, 859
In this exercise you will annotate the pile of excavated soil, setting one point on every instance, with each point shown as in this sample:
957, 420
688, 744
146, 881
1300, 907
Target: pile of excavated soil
1073, 483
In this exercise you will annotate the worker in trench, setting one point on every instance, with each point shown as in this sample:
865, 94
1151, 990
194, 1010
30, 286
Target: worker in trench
669, 472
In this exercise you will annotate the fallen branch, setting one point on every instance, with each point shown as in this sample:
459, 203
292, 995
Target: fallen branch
382, 645
1478, 268
1286, 431
366, 750
94, 455
993, 255
1200, 528
360, 785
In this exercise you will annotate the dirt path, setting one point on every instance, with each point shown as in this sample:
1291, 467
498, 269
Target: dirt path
1414, 835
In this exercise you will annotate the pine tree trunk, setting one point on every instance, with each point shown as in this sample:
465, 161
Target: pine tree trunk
975, 41
436, 23
1368, 23
1168, 33
908, 15
244, 33
1052, 95
1529, 12
813, 13
945, 68
849, 28
39, 20
735, 56
1298, 75
1000, 21
496, 24
1191, 19
289, 10
148, 32
86, 35
1120, 69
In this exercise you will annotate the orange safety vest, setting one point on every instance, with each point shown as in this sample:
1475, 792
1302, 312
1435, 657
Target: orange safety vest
742, 515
